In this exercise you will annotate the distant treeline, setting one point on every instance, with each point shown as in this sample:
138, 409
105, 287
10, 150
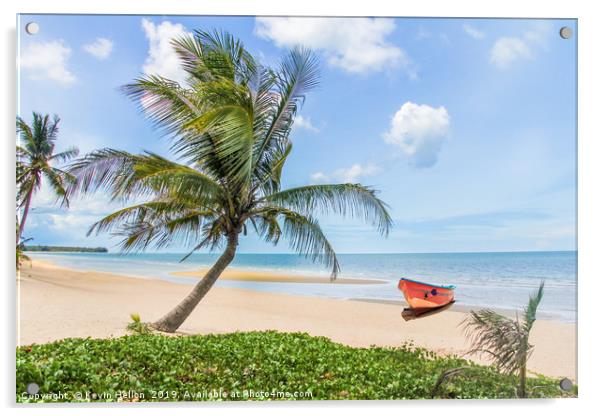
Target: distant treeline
67, 249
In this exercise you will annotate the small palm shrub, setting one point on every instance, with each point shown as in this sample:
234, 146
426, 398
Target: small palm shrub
505, 340
138, 327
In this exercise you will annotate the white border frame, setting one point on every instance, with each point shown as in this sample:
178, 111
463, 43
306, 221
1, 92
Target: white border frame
589, 170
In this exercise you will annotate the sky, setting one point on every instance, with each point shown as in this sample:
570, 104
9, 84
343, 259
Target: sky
467, 127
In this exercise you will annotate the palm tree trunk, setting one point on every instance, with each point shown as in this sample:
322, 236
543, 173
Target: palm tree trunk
522, 388
172, 321
24, 217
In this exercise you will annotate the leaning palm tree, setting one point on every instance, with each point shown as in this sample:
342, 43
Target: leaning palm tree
229, 126
36, 159
505, 340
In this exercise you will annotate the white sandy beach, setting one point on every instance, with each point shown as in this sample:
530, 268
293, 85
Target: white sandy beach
56, 303
255, 276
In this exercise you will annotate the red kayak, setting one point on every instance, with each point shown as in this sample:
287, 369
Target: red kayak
423, 297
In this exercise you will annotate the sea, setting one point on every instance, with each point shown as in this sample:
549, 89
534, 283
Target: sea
501, 281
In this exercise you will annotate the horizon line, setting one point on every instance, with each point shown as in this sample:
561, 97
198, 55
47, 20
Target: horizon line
342, 253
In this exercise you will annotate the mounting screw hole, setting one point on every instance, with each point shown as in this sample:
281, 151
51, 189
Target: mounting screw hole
33, 388
32, 28
566, 384
566, 32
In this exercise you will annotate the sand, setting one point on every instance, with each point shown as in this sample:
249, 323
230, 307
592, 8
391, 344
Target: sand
56, 303
254, 276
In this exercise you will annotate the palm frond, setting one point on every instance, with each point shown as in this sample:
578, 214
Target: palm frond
65, 156
44, 133
344, 199
163, 101
24, 131
497, 336
216, 54
157, 223
302, 232
268, 181
22, 154
24, 172
213, 235
52, 128
28, 184
531, 309
101, 169
186, 228
298, 74
145, 211
127, 175
162, 176
266, 225
231, 128
59, 182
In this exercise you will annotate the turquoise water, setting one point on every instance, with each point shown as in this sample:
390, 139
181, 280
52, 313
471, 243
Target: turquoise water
495, 280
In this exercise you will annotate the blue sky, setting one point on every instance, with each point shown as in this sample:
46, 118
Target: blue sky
466, 126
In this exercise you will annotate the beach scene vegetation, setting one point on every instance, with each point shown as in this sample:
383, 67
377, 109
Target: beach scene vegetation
261, 366
63, 249
189, 303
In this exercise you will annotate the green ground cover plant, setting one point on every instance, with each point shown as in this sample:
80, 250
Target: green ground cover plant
264, 365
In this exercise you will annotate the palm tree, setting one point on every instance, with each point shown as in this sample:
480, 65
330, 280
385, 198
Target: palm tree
35, 160
229, 127
504, 339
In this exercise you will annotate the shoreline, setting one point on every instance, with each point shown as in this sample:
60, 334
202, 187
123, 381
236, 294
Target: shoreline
250, 275
56, 303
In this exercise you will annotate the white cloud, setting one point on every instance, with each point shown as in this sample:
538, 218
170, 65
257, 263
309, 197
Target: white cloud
47, 60
347, 175
319, 177
67, 221
47, 219
419, 131
162, 58
101, 48
356, 45
45, 201
473, 32
508, 50
303, 123
539, 33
